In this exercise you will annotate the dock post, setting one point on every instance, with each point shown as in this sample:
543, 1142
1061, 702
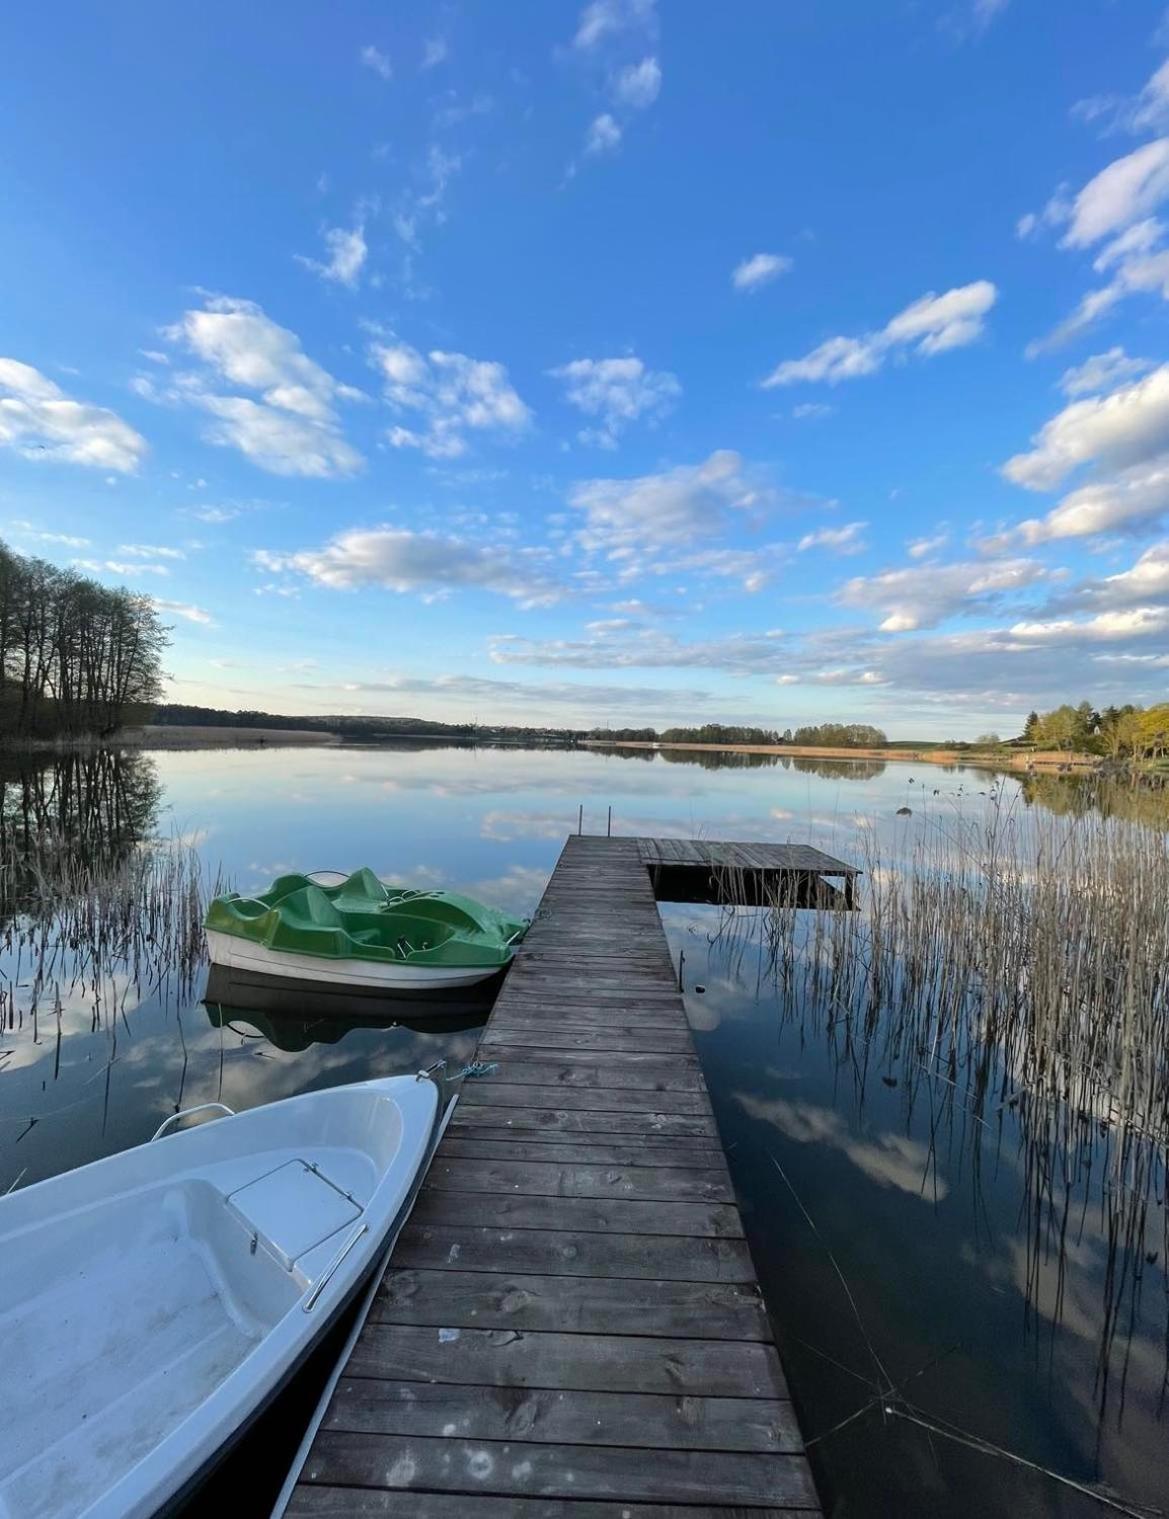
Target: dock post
580, 819
609, 824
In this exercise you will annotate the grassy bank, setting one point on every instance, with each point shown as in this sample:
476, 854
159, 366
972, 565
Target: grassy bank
993, 759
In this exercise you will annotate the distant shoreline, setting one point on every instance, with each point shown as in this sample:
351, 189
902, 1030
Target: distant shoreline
1048, 759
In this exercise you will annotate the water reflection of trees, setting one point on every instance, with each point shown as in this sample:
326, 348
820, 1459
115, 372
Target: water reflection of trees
91, 806
1139, 799
715, 759
838, 769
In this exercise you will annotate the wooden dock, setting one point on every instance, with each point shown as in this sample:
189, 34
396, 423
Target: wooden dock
709, 870
571, 1327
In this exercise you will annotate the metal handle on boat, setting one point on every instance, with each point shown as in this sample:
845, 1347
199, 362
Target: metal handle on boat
428, 1072
204, 1107
310, 1302
519, 933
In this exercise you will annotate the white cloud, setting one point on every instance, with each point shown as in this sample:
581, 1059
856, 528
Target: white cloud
603, 19
638, 85
128, 571
603, 135
812, 411
432, 564
149, 551
435, 50
1116, 208
933, 324
216, 515
616, 391
1101, 372
759, 270
661, 511
373, 58
1130, 502
293, 429
1127, 190
452, 393
922, 548
921, 596
185, 610
347, 251
848, 539
1140, 622
281, 442
66, 540
1144, 584
1128, 427
621, 644
39, 421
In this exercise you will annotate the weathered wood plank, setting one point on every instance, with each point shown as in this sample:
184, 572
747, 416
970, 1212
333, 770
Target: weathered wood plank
527, 1468
634, 1073
531, 1144
564, 1178
583, 1122
652, 1062
596, 1215
552, 1035
582, 1305
568, 1252
363, 1406
596, 1362
501, 1094
372, 1503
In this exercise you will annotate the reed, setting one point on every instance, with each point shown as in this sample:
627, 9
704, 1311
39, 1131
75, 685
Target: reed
107, 928
1009, 974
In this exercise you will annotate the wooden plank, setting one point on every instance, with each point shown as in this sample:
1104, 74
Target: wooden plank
581, 1305
500, 1094
524, 1468
554, 1035
531, 1144
652, 1062
583, 1122
596, 1215
373, 1503
600, 1362
567, 1252
635, 1073
566, 1178
644, 1420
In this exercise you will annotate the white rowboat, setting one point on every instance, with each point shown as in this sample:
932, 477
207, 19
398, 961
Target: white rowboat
154, 1301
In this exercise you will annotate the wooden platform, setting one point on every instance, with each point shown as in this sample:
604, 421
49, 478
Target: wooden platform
571, 1327
708, 870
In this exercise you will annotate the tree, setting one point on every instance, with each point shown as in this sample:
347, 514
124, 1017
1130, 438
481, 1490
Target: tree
75, 656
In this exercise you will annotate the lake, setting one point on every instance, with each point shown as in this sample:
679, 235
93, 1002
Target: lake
960, 1261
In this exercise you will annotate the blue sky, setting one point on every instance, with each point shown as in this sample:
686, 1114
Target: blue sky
633, 362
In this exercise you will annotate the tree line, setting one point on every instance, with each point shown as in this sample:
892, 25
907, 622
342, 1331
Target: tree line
825, 735
76, 657
1128, 732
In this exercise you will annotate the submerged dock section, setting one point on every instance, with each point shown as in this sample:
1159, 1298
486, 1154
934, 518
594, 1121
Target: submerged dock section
571, 1327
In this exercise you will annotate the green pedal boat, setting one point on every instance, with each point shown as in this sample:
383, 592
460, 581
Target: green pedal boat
358, 934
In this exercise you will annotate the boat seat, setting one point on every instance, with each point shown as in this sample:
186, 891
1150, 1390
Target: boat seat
293, 1209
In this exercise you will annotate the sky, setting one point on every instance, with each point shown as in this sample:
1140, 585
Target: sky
639, 362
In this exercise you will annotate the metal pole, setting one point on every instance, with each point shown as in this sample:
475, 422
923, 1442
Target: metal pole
609, 825
580, 819
681, 963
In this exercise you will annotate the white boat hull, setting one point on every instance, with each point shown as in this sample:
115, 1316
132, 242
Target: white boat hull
242, 955
155, 1300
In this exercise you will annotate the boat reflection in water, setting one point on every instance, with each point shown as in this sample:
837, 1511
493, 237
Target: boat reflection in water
294, 1016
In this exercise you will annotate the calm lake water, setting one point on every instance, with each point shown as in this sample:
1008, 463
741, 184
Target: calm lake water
1014, 1293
